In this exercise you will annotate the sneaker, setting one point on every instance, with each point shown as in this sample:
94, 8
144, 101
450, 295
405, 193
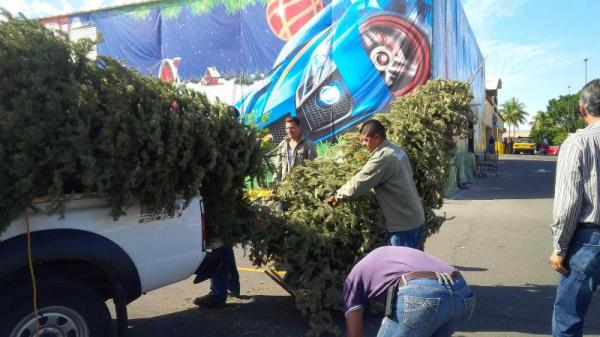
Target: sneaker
234, 295
209, 302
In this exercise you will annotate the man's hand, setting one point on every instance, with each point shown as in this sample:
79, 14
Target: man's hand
354, 323
330, 200
557, 263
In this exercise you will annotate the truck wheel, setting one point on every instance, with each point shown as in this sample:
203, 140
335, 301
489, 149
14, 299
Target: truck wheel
66, 308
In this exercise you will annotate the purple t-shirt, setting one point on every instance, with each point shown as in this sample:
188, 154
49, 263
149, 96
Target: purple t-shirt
371, 276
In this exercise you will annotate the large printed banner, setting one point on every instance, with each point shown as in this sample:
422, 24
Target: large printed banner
331, 63
456, 56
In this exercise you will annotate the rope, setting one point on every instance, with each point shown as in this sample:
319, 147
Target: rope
32, 274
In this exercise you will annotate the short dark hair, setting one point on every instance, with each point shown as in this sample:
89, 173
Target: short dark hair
290, 119
590, 97
373, 127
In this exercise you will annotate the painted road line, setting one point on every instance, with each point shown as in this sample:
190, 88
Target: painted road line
258, 270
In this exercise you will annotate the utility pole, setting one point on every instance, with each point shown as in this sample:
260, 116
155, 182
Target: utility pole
585, 62
570, 112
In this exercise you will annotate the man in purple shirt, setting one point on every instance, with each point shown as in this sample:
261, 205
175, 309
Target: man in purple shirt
426, 296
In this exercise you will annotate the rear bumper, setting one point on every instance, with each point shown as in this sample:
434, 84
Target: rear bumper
524, 148
553, 151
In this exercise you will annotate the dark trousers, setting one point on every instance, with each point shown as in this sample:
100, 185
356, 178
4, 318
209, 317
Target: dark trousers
226, 278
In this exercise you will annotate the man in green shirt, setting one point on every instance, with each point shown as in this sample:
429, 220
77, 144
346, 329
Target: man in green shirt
389, 174
293, 150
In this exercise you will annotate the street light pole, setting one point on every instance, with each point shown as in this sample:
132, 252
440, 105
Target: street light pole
569, 108
585, 62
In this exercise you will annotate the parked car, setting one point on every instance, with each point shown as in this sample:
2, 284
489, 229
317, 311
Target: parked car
524, 145
553, 150
87, 258
344, 65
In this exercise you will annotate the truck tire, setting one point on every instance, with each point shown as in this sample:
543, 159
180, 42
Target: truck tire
67, 308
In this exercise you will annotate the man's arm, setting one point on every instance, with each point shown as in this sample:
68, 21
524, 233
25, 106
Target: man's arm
567, 201
368, 177
278, 163
354, 323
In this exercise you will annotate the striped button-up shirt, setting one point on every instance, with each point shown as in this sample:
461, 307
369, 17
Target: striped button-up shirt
577, 192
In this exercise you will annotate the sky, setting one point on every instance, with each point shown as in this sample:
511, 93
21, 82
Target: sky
40, 8
536, 47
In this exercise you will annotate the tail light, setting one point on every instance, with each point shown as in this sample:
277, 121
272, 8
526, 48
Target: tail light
203, 224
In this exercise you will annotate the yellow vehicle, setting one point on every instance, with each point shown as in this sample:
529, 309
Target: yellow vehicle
523, 145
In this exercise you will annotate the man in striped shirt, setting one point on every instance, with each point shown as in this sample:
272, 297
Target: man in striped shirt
576, 225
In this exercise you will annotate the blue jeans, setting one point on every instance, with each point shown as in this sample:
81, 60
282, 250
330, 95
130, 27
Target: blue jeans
410, 238
226, 277
425, 307
575, 289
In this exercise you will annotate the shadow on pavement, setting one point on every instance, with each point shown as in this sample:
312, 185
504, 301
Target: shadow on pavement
258, 316
505, 309
255, 317
521, 309
464, 268
517, 179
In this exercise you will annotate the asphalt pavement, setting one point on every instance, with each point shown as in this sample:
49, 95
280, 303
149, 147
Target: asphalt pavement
500, 238
497, 234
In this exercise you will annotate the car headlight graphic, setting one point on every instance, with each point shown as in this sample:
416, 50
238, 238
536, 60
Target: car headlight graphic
318, 70
329, 95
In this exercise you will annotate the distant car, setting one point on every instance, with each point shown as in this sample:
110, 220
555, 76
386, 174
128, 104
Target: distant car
553, 150
347, 63
524, 145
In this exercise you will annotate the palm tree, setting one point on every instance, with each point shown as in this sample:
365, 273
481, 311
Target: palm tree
513, 112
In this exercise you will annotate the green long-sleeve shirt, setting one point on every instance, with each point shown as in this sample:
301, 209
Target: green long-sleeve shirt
389, 174
288, 158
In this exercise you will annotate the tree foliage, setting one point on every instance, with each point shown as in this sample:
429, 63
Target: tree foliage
315, 243
319, 245
560, 118
71, 125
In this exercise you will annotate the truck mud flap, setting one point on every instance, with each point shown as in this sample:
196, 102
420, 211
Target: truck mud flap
208, 267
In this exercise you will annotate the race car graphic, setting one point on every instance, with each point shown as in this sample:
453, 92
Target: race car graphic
343, 66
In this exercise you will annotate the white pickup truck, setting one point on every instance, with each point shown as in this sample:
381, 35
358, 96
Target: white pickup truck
87, 258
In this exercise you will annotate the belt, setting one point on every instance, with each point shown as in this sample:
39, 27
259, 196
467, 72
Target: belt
428, 275
588, 225
392, 291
